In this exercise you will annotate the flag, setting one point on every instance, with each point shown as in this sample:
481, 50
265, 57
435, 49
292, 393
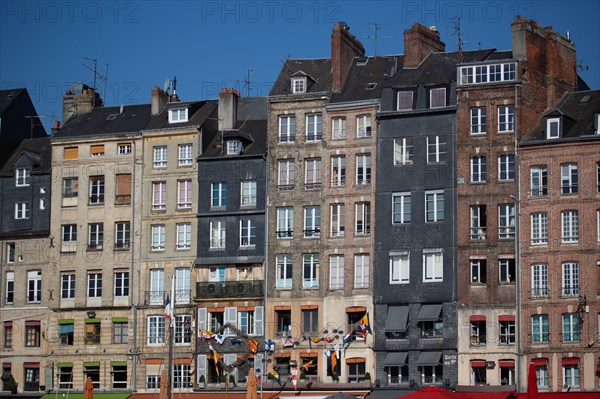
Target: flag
270, 345
253, 345
275, 377
316, 340
334, 361
215, 358
173, 304
168, 308
219, 338
347, 338
307, 365
365, 325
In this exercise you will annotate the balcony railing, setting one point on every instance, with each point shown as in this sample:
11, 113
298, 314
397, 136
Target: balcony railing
570, 291
155, 297
432, 333
478, 233
539, 292
230, 289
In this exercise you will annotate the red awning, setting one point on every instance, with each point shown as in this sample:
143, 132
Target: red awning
477, 317
506, 317
539, 361
32, 323
30, 365
506, 363
570, 360
477, 363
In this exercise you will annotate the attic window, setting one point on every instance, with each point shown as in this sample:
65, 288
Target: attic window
23, 177
178, 115
371, 85
437, 97
553, 128
405, 100
112, 117
299, 85
585, 99
597, 124
97, 150
234, 147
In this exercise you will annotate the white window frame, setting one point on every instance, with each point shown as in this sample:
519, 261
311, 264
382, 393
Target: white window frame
121, 288
217, 234
287, 128
336, 272
247, 233
336, 220
550, 123
94, 284
363, 126
22, 177
314, 127
95, 235
313, 173
571, 375
571, 327
506, 221
218, 194
478, 222
570, 226
97, 189
298, 85
436, 149
506, 167
284, 265
248, 190
286, 176
506, 118
338, 171
539, 180
159, 159
124, 149
158, 235
156, 330
285, 222
9, 293
69, 233
401, 208
400, 267
570, 279
362, 218
312, 221
539, 280
157, 286
159, 195
479, 169
361, 270
433, 265
478, 120
569, 177
67, 286
539, 228
186, 154
184, 236
505, 265
310, 270
363, 169
434, 206
11, 251
233, 147
22, 210
184, 194
177, 115
403, 151
122, 235
542, 324
478, 271
338, 128
34, 286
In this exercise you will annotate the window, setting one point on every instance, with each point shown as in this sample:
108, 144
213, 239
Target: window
178, 115
184, 235
478, 120
186, 154
121, 283
183, 329
285, 222
310, 321
96, 189
152, 381
94, 285
507, 332
507, 270
122, 235
10, 252
124, 149
338, 171
310, 271
336, 272
119, 376
70, 187
363, 169
570, 371
507, 372
159, 195
158, 237
312, 221
284, 271
298, 85
286, 177
356, 370
570, 279
437, 97
314, 127
95, 235
23, 177
247, 233
69, 233
32, 334
571, 327
539, 181
404, 100
246, 322
598, 172
363, 126
284, 321
478, 169
67, 332
312, 179
92, 332
434, 206
401, 207
506, 221
218, 196
248, 193
65, 376
480, 74
399, 267
403, 151
157, 286
478, 222
539, 281
67, 286
478, 271
182, 285
569, 178
156, 330
539, 228
71, 153
123, 194
34, 286
287, 128
338, 128
361, 271
436, 149
217, 234
216, 319
92, 371
506, 167
184, 194
552, 128
506, 119
540, 329
363, 219
478, 331
433, 265
97, 150
478, 372
160, 157
234, 147
9, 296
431, 374
22, 210
337, 228
570, 226
541, 370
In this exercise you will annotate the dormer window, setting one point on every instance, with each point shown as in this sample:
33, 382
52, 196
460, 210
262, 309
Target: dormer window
177, 115
23, 177
299, 85
234, 147
597, 124
553, 128
437, 97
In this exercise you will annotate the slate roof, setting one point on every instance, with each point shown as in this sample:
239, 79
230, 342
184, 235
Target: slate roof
198, 111
38, 150
365, 78
318, 72
7, 97
578, 110
97, 122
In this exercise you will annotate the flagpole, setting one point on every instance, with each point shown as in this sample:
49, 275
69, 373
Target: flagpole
171, 337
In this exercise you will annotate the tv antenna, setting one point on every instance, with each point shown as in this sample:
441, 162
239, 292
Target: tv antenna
97, 75
582, 66
247, 82
375, 36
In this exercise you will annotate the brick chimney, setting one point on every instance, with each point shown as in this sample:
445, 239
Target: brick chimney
419, 42
80, 99
159, 100
344, 48
228, 105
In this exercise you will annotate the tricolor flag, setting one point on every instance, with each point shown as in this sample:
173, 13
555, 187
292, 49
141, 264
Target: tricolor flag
168, 308
365, 325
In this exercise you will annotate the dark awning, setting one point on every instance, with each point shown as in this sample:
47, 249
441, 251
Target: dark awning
229, 260
395, 359
429, 358
430, 312
397, 318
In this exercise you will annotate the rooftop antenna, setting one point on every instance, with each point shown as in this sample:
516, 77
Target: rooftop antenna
247, 82
376, 28
582, 66
166, 86
459, 42
96, 75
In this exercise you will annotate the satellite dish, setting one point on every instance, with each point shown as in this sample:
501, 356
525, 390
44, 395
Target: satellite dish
166, 86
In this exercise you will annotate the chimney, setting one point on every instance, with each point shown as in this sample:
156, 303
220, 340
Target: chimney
56, 127
159, 100
419, 42
80, 99
344, 48
228, 105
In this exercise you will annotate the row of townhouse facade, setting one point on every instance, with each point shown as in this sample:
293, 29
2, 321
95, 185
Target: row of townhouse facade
448, 199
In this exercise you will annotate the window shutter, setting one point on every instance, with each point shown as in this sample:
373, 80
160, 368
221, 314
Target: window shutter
404, 270
71, 153
202, 314
201, 366
230, 317
258, 320
97, 150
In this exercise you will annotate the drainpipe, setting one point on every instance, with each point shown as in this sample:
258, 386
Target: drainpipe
265, 272
517, 199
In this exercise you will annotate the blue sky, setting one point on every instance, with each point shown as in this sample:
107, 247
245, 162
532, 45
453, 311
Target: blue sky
212, 44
